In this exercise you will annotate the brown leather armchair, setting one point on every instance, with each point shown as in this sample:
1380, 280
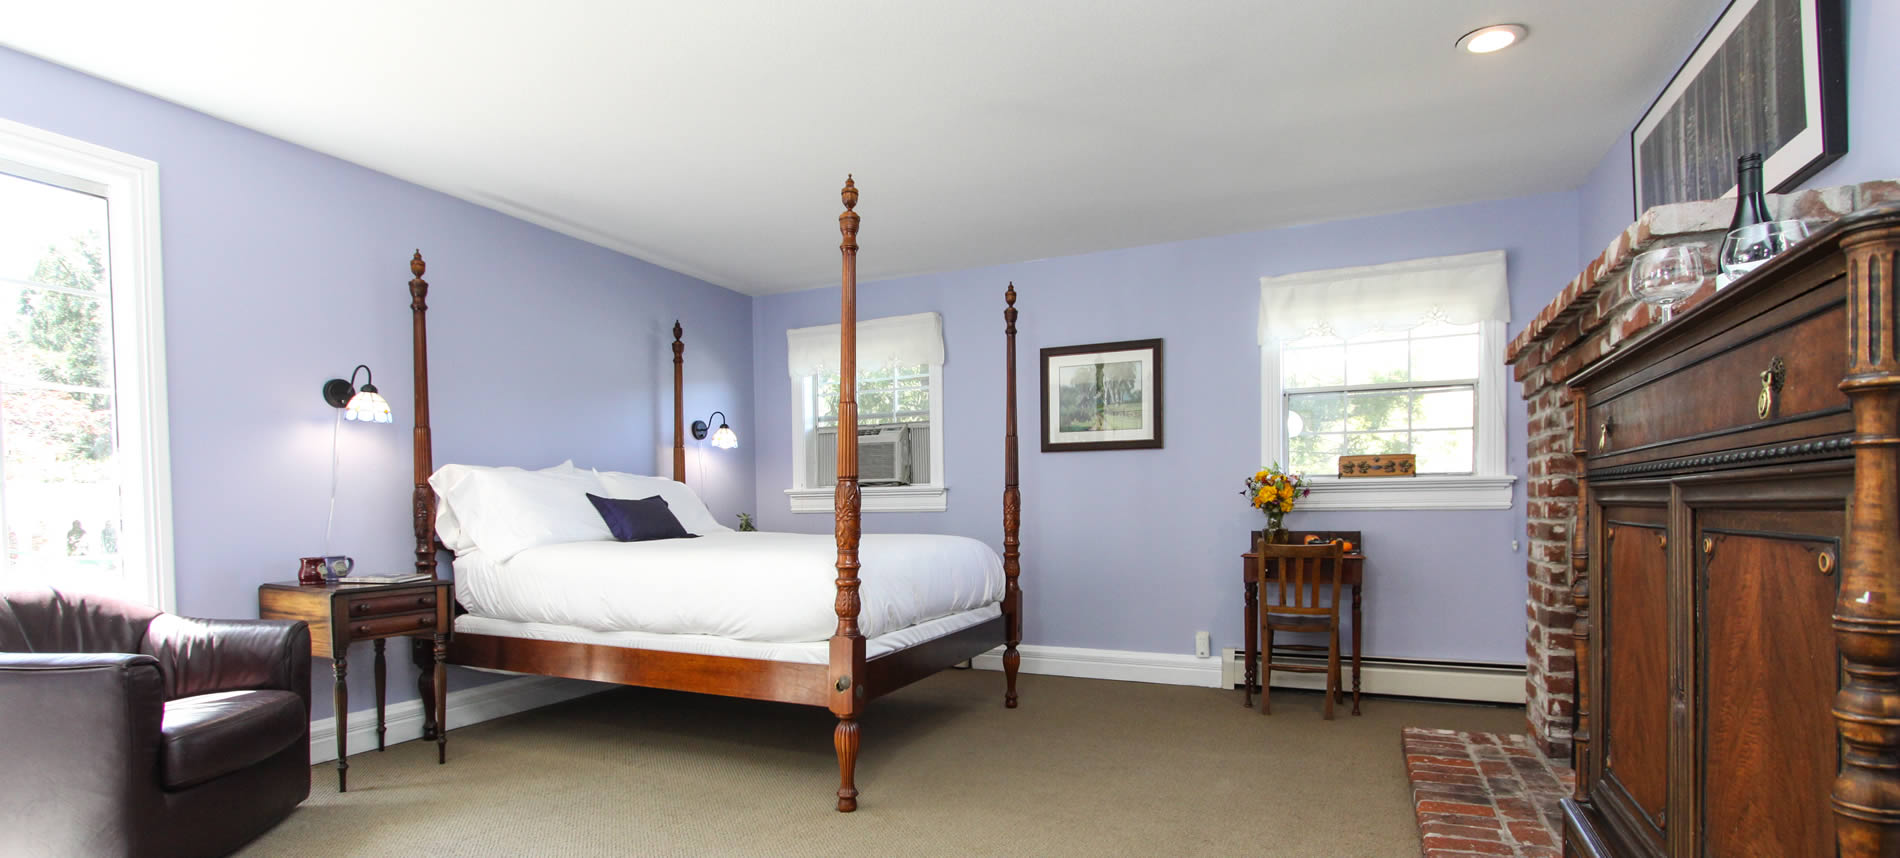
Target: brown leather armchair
128, 731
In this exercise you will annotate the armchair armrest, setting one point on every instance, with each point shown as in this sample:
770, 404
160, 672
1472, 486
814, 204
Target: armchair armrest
207, 656
82, 738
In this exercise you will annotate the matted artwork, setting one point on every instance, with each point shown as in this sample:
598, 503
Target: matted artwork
1769, 77
1102, 396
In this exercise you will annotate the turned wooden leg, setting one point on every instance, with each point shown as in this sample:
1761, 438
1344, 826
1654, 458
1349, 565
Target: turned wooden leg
1357, 624
1266, 673
1250, 620
441, 696
1332, 671
845, 738
340, 701
382, 677
422, 654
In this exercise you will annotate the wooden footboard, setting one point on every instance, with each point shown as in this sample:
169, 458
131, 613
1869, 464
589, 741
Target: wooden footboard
751, 678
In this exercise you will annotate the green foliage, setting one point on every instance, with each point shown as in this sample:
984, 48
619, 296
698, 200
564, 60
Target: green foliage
61, 338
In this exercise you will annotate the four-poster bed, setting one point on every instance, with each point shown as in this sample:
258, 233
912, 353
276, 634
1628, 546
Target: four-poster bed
846, 674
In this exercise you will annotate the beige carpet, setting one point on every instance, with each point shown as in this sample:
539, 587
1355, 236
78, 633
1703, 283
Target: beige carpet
1084, 767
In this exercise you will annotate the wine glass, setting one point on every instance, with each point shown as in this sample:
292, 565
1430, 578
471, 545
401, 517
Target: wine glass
1665, 276
1748, 248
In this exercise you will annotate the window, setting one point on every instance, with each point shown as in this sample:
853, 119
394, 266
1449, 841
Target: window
84, 477
900, 402
1405, 358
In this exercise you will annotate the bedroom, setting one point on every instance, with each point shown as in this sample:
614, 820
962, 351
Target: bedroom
1135, 173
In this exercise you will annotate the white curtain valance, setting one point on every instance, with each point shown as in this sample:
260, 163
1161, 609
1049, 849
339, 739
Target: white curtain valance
1397, 296
912, 339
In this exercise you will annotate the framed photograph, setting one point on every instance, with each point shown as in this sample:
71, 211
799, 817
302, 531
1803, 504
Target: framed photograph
1769, 77
1102, 396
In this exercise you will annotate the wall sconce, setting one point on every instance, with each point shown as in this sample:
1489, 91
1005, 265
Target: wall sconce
723, 438
362, 404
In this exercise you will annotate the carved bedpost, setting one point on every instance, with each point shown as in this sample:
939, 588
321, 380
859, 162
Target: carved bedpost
679, 404
1867, 613
847, 644
1580, 594
424, 458
1012, 511
423, 510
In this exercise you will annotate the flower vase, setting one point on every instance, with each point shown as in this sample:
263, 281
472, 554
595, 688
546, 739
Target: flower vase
1277, 534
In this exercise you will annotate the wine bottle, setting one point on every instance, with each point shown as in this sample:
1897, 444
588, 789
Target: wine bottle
1751, 206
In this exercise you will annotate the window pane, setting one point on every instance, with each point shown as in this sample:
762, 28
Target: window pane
1378, 411
1369, 443
1442, 358
61, 500
1444, 452
1314, 453
1315, 412
1445, 408
1376, 362
51, 234
914, 401
1320, 367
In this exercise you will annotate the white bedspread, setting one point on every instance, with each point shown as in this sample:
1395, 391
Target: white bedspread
775, 587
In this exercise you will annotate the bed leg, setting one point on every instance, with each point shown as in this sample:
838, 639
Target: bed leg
845, 738
1012, 660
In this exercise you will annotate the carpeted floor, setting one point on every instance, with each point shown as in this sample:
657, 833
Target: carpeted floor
1084, 767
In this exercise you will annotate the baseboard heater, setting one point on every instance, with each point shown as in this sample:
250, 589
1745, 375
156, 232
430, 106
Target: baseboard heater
1402, 677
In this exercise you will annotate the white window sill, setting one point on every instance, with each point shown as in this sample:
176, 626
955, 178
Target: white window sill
923, 498
1421, 492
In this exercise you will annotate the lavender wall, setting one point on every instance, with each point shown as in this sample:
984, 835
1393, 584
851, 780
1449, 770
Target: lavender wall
1137, 550
284, 267
1873, 130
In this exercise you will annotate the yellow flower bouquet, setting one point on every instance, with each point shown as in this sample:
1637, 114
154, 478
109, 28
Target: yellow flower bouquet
1273, 491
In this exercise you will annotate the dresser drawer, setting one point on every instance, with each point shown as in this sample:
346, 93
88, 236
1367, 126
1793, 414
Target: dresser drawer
381, 606
1711, 396
400, 624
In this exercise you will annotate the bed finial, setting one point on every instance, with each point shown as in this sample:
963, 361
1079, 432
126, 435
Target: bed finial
848, 221
416, 265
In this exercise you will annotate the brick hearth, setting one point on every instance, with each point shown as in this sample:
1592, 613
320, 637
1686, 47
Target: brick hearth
1593, 316
1483, 794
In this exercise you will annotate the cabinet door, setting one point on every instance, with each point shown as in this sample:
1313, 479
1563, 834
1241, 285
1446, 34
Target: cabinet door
1634, 699
1768, 671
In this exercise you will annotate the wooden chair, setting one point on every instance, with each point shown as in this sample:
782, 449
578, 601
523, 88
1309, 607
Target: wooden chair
1296, 604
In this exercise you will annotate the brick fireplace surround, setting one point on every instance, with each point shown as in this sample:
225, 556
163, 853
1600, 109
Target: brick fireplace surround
1593, 316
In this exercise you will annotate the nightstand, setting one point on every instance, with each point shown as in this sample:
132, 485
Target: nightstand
343, 615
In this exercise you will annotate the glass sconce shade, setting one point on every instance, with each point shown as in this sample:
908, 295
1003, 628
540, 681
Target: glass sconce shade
724, 438
368, 406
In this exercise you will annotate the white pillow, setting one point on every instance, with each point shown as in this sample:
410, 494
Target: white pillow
680, 499
505, 511
448, 528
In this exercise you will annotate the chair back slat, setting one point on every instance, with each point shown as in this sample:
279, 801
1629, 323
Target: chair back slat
1301, 572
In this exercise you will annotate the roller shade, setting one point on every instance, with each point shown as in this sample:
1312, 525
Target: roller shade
912, 339
1397, 296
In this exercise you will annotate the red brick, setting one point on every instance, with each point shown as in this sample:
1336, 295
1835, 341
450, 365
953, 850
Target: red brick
1447, 807
1468, 831
1458, 819
1532, 834
1481, 847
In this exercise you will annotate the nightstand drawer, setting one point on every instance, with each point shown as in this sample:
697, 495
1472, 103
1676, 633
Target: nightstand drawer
401, 624
382, 606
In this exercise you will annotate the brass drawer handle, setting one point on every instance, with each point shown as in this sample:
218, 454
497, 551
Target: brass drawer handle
1708, 545
1603, 437
1771, 380
1825, 563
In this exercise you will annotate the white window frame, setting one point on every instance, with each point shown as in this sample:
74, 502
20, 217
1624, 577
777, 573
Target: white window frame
926, 497
130, 186
1487, 487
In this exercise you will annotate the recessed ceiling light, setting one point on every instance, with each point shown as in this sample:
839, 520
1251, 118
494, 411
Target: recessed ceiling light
1486, 40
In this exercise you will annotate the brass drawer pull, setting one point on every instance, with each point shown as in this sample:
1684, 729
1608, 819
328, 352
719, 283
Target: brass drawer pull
1708, 545
1771, 380
1603, 437
1825, 563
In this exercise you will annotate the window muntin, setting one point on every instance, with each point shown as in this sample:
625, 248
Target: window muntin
1412, 391
899, 393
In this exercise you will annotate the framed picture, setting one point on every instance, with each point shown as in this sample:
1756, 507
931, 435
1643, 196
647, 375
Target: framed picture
1102, 396
1769, 77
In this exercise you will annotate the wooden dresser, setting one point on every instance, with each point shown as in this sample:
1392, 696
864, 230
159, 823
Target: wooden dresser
1738, 568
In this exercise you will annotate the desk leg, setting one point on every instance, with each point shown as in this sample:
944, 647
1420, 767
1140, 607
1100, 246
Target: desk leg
1357, 624
441, 699
1251, 620
340, 700
382, 679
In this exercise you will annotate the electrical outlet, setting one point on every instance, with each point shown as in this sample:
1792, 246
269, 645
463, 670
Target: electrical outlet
1201, 644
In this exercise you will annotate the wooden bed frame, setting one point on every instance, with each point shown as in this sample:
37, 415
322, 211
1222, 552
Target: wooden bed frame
849, 681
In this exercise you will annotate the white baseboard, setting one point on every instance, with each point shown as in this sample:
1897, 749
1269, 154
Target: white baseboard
1481, 683
403, 721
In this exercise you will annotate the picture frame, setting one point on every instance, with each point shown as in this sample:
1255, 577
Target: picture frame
1102, 396
1771, 77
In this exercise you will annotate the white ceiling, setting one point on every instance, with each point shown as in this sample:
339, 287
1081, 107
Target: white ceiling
711, 137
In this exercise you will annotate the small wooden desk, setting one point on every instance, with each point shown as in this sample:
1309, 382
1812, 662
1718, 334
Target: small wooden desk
342, 615
1353, 574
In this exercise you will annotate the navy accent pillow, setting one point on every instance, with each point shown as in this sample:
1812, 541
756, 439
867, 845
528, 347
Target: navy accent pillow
639, 520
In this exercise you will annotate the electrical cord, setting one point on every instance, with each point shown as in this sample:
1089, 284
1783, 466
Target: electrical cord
330, 521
